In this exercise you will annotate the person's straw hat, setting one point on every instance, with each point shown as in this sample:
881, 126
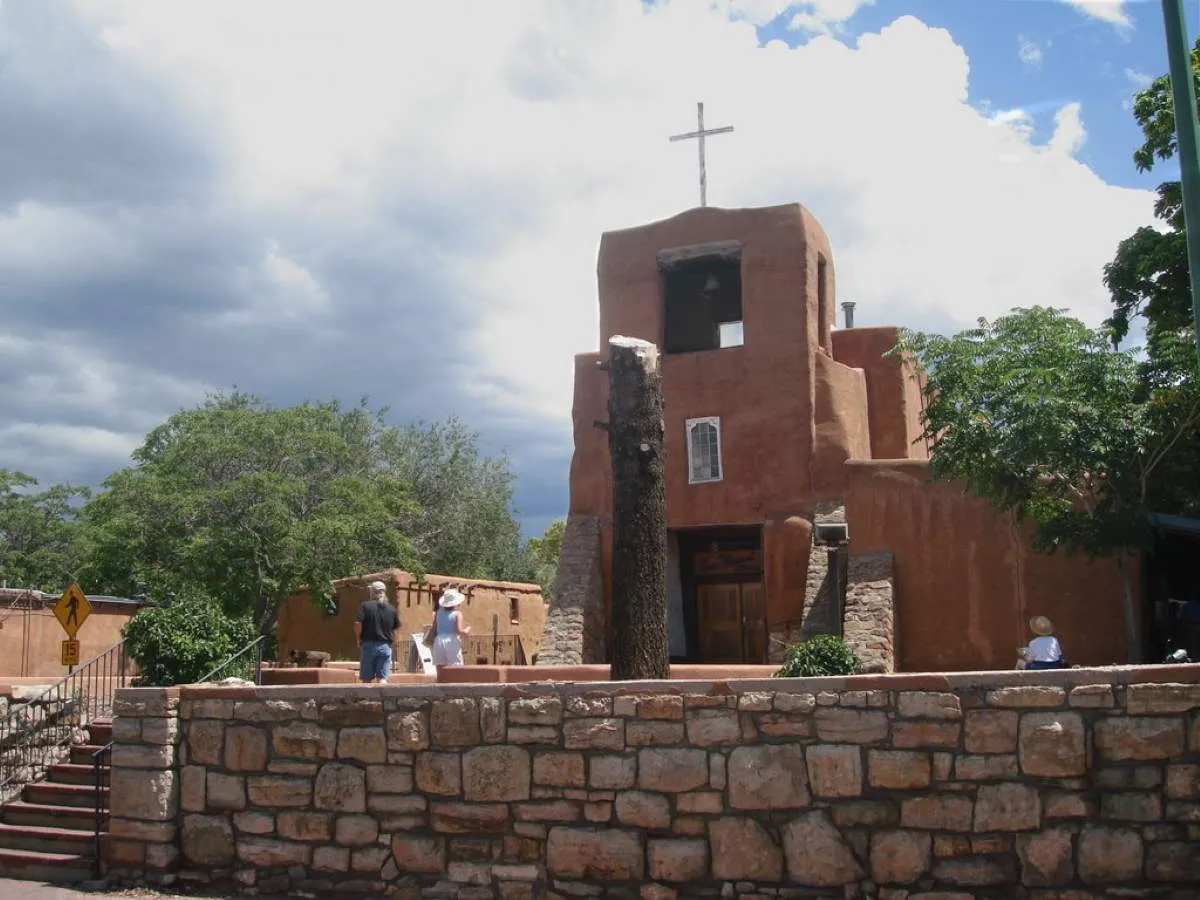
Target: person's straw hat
1042, 626
450, 599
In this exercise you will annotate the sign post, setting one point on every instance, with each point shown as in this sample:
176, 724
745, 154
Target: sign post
71, 610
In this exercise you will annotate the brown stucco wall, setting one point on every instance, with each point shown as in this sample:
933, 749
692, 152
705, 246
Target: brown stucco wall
31, 637
893, 391
302, 626
966, 582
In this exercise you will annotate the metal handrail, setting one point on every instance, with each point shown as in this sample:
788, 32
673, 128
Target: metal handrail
251, 653
98, 757
34, 733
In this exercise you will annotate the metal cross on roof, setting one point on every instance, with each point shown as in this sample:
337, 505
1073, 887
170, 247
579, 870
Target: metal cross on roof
700, 134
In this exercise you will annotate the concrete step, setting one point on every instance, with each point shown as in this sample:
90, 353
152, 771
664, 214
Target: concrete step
58, 868
64, 794
81, 754
76, 773
100, 731
76, 818
47, 839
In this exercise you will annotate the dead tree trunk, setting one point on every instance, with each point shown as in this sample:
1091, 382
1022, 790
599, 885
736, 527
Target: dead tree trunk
639, 559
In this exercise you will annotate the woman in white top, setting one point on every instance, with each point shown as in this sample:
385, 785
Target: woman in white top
449, 630
1044, 651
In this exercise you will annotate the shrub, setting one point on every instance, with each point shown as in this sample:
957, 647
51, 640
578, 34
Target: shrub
825, 654
183, 642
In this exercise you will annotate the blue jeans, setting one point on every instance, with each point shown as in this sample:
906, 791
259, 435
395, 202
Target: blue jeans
1035, 666
374, 661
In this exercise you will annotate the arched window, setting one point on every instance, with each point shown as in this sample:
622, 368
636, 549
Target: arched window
704, 450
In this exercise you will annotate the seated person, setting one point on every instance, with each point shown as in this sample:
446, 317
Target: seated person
1044, 651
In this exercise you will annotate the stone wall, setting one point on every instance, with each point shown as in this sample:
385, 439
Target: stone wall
1065, 785
575, 624
869, 626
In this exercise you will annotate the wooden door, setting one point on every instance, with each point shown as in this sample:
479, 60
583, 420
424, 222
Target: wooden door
754, 623
719, 615
732, 622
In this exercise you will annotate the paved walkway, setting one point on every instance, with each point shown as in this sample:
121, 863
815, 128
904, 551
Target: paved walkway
32, 890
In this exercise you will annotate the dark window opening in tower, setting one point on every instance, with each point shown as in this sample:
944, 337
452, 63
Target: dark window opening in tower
702, 302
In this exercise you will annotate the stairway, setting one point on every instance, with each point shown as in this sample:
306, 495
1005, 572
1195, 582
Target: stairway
49, 834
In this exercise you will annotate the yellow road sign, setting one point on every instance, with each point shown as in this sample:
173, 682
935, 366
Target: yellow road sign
72, 609
70, 653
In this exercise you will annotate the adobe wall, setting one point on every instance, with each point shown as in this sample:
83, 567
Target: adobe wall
31, 638
894, 394
966, 582
303, 626
1073, 784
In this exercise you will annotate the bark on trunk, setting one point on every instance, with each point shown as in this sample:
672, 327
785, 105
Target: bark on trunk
1133, 637
639, 559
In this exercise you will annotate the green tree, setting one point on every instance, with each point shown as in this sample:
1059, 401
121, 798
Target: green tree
245, 503
1043, 417
1148, 277
461, 521
545, 552
40, 535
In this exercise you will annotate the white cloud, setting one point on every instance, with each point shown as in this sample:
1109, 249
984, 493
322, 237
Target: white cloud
1069, 133
1111, 11
466, 156
1139, 80
1030, 52
824, 16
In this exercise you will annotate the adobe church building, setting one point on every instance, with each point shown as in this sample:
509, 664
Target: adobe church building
798, 493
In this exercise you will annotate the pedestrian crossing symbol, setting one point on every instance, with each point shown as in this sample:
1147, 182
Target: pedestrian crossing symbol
72, 609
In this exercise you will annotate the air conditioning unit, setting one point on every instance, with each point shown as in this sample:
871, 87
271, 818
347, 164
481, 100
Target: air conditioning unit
832, 534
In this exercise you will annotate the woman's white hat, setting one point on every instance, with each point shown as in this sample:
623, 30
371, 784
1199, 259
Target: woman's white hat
451, 599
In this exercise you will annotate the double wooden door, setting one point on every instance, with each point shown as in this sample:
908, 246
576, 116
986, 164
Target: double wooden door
732, 622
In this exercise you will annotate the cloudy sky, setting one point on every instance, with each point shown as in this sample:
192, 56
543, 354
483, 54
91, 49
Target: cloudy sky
403, 200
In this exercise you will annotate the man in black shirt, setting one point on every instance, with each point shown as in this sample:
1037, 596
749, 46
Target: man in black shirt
374, 631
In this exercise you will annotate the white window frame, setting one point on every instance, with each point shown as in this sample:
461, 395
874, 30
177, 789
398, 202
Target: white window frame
715, 422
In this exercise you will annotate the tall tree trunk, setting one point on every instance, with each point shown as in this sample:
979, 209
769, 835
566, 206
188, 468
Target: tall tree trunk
639, 566
1133, 638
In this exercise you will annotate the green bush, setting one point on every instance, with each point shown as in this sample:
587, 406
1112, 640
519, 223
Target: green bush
825, 654
183, 642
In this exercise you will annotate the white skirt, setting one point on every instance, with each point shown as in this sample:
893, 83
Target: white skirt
447, 650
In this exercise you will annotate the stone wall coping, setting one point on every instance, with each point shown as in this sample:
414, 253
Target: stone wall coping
930, 681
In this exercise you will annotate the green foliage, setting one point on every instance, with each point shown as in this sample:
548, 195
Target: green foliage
1148, 278
40, 539
1043, 417
246, 503
1046, 419
1149, 275
545, 552
825, 654
461, 520
183, 642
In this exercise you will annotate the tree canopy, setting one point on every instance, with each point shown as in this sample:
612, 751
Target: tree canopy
246, 503
41, 543
1045, 418
1148, 277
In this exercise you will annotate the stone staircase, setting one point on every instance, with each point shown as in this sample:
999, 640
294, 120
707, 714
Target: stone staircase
49, 834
